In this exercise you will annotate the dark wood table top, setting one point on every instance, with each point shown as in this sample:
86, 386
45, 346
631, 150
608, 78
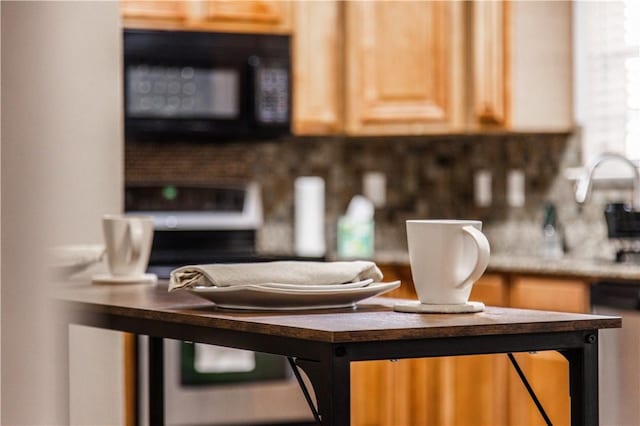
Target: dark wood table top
372, 319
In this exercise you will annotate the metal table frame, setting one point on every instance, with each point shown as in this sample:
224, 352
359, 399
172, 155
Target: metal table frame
328, 364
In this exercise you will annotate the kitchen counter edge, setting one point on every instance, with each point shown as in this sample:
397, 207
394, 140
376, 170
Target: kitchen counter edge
590, 269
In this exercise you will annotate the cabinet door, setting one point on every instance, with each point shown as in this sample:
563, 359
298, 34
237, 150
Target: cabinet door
153, 9
154, 14
547, 372
317, 68
550, 294
521, 76
262, 16
490, 289
401, 272
404, 392
404, 67
272, 16
469, 390
490, 49
540, 65
475, 387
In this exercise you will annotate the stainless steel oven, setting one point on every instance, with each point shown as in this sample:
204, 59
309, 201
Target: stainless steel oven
204, 384
198, 223
237, 393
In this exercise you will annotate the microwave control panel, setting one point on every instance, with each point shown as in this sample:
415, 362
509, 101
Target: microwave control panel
272, 95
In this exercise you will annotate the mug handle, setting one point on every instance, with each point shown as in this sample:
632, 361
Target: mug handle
483, 251
135, 238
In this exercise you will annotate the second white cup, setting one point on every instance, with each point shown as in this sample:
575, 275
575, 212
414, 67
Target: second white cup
128, 240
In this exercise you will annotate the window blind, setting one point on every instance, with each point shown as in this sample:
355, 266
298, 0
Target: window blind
608, 76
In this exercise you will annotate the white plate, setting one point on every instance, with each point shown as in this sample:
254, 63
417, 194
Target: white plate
110, 279
71, 259
256, 297
302, 287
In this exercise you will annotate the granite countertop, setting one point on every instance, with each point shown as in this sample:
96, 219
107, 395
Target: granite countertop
591, 269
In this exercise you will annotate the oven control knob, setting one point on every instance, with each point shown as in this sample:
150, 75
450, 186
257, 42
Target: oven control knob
171, 222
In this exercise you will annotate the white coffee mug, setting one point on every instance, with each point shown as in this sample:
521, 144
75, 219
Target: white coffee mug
447, 257
128, 240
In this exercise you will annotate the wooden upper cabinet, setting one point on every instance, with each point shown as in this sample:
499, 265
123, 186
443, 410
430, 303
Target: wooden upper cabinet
490, 54
260, 16
521, 66
413, 68
255, 15
370, 67
317, 66
153, 9
541, 66
403, 67
154, 14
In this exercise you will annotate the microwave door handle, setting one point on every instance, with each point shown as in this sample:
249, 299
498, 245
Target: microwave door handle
253, 63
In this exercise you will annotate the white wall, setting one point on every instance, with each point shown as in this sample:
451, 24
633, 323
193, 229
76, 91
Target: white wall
0, 215
61, 169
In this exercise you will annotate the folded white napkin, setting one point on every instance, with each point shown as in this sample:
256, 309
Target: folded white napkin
281, 272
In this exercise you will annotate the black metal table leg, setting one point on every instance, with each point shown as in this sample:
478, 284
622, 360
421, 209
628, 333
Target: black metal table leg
156, 381
332, 386
583, 381
530, 390
305, 391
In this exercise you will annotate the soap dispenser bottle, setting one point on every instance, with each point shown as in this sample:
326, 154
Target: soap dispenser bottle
552, 239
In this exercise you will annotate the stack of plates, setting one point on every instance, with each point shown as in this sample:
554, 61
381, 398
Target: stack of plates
71, 259
277, 296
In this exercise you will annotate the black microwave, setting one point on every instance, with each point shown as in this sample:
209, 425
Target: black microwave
206, 86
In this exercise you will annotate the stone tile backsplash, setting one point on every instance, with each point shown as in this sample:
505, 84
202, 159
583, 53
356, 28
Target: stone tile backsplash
427, 177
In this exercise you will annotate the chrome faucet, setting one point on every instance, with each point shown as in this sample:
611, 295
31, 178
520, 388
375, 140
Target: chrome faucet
584, 183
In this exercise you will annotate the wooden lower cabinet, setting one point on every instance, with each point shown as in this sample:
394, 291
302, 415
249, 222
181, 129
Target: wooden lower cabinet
549, 294
465, 390
474, 386
402, 392
548, 375
547, 372
471, 390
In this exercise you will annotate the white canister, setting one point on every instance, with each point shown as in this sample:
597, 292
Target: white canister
309, 216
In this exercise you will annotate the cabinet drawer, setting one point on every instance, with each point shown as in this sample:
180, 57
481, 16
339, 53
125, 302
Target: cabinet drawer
551, 294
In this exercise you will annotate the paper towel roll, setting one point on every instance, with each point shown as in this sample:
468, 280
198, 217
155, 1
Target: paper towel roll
309, 216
